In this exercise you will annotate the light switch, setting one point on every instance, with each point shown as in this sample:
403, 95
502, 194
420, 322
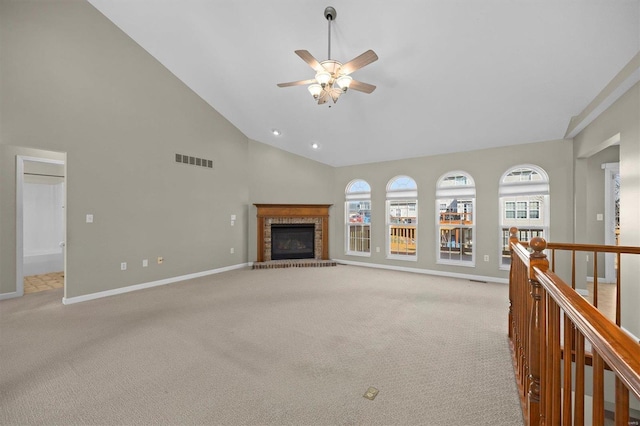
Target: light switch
233, 217
89, 218
599, 216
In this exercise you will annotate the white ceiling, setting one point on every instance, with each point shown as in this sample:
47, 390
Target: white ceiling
453, 75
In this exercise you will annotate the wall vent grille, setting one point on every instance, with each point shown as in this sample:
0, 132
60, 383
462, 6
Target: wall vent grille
194, 161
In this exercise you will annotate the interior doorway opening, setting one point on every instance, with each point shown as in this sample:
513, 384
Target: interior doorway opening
40, 224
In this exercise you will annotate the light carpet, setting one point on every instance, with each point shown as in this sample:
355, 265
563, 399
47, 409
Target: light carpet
296, 346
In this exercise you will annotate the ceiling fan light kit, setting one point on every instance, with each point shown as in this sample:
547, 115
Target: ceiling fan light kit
332, 78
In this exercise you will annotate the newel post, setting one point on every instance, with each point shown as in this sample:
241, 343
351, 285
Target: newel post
537, 323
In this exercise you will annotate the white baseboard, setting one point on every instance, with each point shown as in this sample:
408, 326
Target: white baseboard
11, 295
136, 287
425, 271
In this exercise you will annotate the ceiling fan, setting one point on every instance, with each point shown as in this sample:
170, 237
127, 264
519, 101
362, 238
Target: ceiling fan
332, 78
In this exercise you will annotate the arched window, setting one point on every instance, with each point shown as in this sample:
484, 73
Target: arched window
524, 203
455, 207
358, 218
402, 218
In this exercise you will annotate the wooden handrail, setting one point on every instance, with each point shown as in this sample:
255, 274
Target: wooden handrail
594, 249
617, 348
549, 323
600, 248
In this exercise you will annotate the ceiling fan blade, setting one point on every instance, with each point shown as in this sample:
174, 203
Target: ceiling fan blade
309, 59
356, 63
296, 83
361, 87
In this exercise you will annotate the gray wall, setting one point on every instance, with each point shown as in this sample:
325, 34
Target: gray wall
72, 82
486, 167
622, 117
595, 202
278, 177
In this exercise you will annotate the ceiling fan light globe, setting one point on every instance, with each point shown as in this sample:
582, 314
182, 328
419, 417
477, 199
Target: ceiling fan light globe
323, 77
315, 90
344, 81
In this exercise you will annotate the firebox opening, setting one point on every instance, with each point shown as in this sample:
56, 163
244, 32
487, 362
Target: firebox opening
292, 241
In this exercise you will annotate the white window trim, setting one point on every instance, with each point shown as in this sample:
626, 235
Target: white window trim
467, 263
408, 195
350, 197
392, 256
457, 191
523, 188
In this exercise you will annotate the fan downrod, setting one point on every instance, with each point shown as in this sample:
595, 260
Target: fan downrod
330, 13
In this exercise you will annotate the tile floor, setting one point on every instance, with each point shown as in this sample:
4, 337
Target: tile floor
50, 281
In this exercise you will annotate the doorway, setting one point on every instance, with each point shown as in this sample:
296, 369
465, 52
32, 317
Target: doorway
40, 224
611, 216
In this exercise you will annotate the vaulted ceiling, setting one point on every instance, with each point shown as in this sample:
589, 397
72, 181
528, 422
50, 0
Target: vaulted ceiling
452, 75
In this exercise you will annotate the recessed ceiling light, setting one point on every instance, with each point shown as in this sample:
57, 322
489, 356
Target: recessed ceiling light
315, 146
276, 132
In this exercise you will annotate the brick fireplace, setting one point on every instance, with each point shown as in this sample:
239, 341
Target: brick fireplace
293, 214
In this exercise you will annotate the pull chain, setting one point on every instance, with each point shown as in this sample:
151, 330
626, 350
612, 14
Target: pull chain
329, 53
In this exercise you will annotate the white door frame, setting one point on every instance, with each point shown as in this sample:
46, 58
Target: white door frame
610, 170
20, 159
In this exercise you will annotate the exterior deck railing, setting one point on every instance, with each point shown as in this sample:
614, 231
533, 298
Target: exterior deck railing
556, 337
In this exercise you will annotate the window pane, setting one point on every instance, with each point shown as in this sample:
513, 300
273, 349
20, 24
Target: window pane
403, 216
402, 211
358, 228
456, 211
360, 238
359, 186
402, 239
456, 243
454, 180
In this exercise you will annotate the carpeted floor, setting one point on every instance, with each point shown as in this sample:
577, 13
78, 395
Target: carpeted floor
274, 346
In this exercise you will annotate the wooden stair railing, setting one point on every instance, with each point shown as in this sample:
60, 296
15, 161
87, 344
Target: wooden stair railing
540, 305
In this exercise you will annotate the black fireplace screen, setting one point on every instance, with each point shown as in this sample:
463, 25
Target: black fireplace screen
292, 241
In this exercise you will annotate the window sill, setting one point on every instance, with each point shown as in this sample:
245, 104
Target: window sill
456, 263
401, 257
358, 253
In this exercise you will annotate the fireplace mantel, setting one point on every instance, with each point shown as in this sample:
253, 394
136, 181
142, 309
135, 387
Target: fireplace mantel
292, 213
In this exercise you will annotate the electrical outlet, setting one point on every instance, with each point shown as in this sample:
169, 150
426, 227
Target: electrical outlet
89, 218
486, 257
160, 260
123, 266
377, 249
232, 250
145, 263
